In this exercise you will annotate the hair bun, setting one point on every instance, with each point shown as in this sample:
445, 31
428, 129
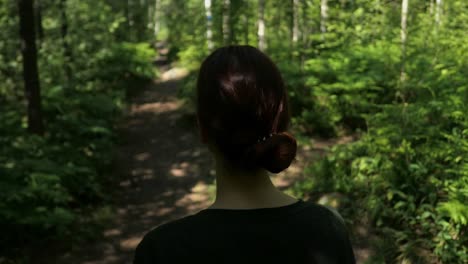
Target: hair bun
276, 153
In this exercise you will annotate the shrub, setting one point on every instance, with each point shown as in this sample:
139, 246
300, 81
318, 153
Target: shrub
51, 184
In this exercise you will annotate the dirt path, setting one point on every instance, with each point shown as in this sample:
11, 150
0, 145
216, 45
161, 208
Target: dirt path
165, 172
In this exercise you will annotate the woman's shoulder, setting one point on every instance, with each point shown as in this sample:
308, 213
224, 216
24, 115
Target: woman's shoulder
322, 218
319, 210
168, 230
161, 239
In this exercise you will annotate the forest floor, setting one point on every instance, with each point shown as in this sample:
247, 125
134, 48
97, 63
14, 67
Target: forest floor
165, 173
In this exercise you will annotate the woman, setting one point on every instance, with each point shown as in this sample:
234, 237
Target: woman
243, 118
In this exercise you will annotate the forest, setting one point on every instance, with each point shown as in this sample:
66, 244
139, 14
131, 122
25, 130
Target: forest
389, 75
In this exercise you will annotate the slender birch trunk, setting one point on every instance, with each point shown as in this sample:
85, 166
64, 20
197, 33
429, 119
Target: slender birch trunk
261, 25
129, 13
67, 53
226, 22
245, 22
323, 16
295, 31
404, 36
156, 22
438, 13
209, 25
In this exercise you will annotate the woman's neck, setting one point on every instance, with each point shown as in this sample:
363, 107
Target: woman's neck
240, 189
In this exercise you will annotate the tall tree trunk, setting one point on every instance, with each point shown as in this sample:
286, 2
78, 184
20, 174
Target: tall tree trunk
157, 25
306, 28
261, 25
295, 31
438, 13
305, 25
305, 42
129, 17
323, 16
38, 15
226, 22
404, 36
245, 22
67, 54
129, 13
378, 11
30, 71
209, 25
150, 17
143, 20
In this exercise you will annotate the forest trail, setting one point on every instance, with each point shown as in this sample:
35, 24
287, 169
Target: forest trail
165, 172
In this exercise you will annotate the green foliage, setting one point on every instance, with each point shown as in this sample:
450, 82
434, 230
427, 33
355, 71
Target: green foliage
346, 73
351, 73
409, 171
187, 31
128, 61
53, 187
48, 180
411, 183
351, 83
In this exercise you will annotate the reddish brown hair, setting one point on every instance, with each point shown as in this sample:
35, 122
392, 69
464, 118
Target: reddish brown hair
241, 99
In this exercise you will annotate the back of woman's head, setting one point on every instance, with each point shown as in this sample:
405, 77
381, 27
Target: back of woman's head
243, 109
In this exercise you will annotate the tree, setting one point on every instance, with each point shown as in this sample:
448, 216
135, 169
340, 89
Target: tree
323, 16
67, 54
38, 16
129, 19
295, 30
438, 13
404, 35
261, 25
226, 22
141, 20
305, 31
157, 25
30, 69
245, 22
209, 24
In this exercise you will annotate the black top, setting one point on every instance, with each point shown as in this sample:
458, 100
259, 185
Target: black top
302, 232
